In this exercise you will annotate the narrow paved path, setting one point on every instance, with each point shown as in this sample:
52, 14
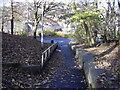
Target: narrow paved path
68, 75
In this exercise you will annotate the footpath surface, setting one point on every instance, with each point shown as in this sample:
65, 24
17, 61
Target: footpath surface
60, 72
67, 74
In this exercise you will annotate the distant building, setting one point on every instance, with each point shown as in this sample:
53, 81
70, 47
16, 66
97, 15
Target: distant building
46, 26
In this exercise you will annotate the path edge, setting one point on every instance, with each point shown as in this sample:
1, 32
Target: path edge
86, 60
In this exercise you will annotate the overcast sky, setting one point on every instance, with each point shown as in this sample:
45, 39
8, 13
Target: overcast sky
8, 1
65, 1
104, 4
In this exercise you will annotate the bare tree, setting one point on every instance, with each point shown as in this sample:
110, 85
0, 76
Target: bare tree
12, 17
47, 7
118, 3
3, 17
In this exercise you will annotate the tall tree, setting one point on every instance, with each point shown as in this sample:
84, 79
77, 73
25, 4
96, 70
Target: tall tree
47, 7
118, 21
118, 3
87, 18
12, 17
74, 6
3, 11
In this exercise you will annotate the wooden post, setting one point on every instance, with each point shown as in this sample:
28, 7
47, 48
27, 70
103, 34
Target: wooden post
42, 60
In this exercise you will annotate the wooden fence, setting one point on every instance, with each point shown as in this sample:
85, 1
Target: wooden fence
47, 53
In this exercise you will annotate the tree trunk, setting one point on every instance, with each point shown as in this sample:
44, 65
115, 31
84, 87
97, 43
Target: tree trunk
87, 32
35, 30
3, 11
2, 25
12, 26
92, 41
92, 32
12, 18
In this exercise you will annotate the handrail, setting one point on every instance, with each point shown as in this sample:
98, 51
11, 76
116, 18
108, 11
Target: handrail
47, 53
49, 47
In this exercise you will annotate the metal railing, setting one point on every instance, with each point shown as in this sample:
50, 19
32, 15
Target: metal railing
47, 53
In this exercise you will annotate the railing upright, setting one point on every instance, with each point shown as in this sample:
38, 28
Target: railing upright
46, 53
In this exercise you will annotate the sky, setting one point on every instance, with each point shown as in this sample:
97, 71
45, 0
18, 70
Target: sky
6, 2
104, 4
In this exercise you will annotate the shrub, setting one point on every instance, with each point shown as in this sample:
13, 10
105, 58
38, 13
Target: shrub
70, 35
54, 34
23, 34
49, 33
59, 34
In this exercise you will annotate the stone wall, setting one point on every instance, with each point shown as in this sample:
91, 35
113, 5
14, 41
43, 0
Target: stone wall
86, 60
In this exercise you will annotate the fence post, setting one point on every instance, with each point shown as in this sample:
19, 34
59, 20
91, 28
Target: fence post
46, 54
49, 52
42, 60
